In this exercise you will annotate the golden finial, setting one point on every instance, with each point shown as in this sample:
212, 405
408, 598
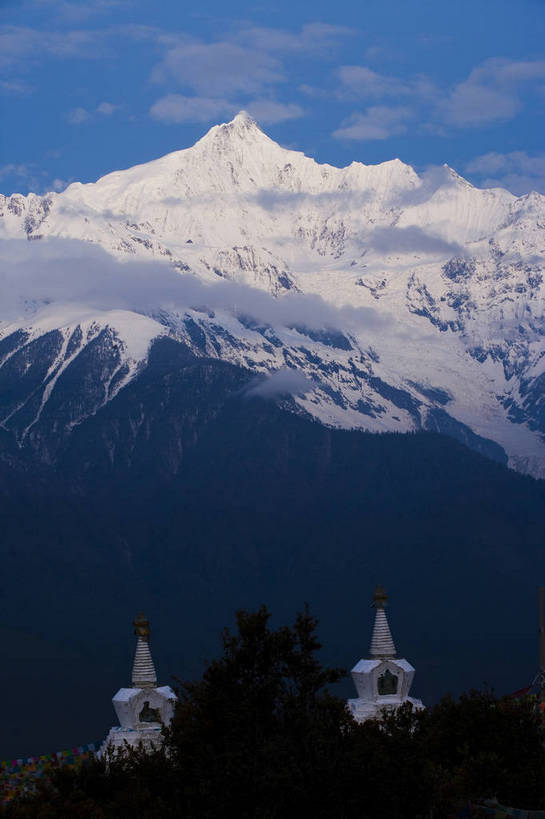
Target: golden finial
141, 626
379, 598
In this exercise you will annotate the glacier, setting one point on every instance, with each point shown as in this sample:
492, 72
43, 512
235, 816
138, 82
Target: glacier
408, 302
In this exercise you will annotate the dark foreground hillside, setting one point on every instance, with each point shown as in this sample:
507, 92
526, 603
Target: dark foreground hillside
261, 735
186, 499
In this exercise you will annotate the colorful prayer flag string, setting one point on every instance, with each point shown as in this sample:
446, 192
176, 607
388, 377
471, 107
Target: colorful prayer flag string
18, 776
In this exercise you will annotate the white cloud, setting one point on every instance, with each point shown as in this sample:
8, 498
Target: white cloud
487, 163
219, 69
11, 169
72, 11
69, 271
269, 111
431, 179
77, 116
240, 70
516, 160
313, 91
26, 174
282, 382
377, 122
312, 38
517, 183
503, 70
362, 82
474, 104
107, 108
517, 171
410, 239
59, 184
494, 91
21, 46
34, 178
15, 87
176, 108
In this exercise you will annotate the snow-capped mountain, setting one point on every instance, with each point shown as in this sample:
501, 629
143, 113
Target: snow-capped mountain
405, 302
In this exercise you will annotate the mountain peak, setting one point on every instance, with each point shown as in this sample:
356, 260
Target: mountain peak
242, 127
243, 119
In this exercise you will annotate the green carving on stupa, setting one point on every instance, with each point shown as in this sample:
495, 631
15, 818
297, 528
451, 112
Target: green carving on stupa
148, 714
387, 683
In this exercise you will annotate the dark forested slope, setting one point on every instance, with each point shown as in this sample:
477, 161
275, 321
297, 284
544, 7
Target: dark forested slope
186, 498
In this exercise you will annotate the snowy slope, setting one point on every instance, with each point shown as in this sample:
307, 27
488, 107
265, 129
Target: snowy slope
409, 302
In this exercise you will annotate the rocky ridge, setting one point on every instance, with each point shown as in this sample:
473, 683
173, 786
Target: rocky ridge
407, 302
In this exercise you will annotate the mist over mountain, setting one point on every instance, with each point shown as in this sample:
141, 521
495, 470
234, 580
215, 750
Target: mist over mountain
409, 302
194, 356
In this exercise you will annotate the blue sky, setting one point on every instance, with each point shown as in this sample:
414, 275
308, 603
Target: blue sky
92, 86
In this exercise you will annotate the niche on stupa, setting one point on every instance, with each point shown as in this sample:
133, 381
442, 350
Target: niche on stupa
148, 714
387, 683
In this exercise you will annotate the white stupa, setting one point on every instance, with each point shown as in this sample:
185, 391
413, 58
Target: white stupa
143, 709
383, 681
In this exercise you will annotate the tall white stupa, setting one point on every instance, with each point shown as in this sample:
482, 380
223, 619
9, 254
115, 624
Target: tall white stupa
145, 708
383, 681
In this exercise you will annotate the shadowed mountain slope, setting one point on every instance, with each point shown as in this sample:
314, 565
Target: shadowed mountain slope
186, 498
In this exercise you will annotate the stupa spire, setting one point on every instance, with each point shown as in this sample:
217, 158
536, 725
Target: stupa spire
143, 669
382, 644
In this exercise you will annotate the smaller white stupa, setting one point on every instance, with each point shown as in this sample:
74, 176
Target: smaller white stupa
383, 681
145, 708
